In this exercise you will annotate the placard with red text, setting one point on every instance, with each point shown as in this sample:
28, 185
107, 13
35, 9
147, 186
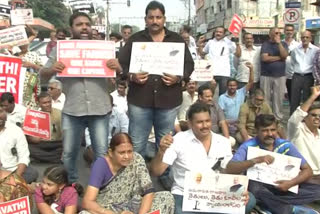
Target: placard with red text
155, 212
85, 58
37, 124
11, 77
20, 205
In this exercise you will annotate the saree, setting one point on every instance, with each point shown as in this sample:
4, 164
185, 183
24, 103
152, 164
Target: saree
125, 190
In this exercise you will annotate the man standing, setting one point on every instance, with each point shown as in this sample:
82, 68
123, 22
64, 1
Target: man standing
49, 151
153, 99
302, 64
126, 31
273, 76
248, 53
276, 199
292, 44
303, 131
219, 49
87, 102
120, 97
189, 97
55, 91
15, 112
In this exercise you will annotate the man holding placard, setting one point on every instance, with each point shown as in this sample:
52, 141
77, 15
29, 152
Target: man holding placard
87, 101
157, 60
275, 198
197, 149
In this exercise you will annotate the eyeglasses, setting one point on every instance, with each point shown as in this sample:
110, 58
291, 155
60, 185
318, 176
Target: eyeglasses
51, 88
314, 115
305, 37
277, 33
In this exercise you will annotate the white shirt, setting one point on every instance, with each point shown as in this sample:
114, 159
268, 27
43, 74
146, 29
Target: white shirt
119, 101
187, 101
302, 62
59, 103
219, 52
289, 70
13, 137
252, 56
305, 141
187, 153
17, 115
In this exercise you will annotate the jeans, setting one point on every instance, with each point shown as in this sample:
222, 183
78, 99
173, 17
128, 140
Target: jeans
179, 199
141, 121
222, 81
73, 131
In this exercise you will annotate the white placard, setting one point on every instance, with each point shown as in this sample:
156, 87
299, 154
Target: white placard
21, 16
284, 167
13, 36
214, 193
202, 70
157, 58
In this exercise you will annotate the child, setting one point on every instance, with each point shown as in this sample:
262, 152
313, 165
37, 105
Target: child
55, 195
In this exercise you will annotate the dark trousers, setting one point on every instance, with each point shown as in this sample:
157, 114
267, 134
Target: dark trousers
278, 202
222, 81
288, 84
48, 152
300, 84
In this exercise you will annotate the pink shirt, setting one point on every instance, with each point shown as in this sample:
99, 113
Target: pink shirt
69, 197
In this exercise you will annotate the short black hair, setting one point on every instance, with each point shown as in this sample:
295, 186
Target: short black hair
231, 80
153, 5
7, 96
204, 87
126, 27
186, 28
265, 120
115, 34
197, 107
122, 82
102, 35
289, 25
76, 15
63, 30
313, 107
43, 95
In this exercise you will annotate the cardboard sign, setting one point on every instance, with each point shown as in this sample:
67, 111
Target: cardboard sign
155, 212
17, 206
236, 25
13, 36
214, 193
21, 16
157, 58
37, 124
11, 77
85, 58
284, 167
202, 70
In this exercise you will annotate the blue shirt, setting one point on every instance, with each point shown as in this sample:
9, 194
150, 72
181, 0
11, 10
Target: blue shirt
281, 146
231, 105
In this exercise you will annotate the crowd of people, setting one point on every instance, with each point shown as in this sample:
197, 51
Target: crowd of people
195, 126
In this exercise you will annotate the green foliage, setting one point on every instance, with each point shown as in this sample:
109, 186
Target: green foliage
53, 11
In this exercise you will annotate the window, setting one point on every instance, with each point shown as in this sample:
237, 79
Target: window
229, 4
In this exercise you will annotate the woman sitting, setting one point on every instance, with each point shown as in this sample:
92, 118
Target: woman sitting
120, 183
54, 195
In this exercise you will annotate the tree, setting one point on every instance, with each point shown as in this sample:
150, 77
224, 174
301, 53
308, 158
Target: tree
53, 11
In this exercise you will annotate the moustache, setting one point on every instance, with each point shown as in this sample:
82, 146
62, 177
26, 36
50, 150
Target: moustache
204, 129
155, 25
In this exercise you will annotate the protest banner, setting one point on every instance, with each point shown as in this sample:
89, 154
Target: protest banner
12, 77
13, 36
21, 16
17, 206
214, 193
155, 212
37, 124
284, 167
157, 58
202, 70
85, 58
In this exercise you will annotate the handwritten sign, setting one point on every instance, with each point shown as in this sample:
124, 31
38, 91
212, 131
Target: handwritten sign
85, 58
11, 77
157, 58
155, 212
212, 192
21, 16
37, 124
13, 36
202, 71
17, 206
284, 167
